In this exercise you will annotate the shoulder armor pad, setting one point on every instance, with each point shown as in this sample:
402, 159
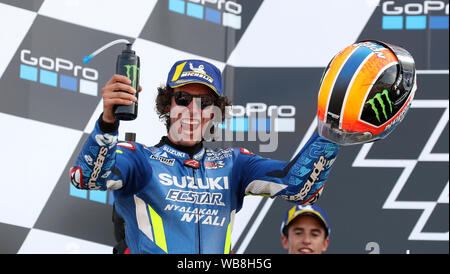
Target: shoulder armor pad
128, 145
246, 151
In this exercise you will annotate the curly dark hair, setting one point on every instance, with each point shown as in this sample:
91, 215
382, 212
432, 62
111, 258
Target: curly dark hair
164, 99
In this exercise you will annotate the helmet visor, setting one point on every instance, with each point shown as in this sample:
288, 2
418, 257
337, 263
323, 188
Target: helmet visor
342, 136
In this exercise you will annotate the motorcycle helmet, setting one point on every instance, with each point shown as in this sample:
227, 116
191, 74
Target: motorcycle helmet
365, 92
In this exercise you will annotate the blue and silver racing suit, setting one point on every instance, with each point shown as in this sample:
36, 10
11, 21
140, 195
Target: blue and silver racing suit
175, 203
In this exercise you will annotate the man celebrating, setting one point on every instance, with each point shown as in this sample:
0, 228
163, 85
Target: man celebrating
178, 196
305, 230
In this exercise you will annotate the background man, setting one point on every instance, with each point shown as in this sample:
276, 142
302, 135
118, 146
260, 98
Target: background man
305, 230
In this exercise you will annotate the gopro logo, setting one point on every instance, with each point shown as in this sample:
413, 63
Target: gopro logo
259, 117
415, 16
58, 72
222, 12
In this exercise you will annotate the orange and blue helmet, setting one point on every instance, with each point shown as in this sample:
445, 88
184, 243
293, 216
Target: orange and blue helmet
365, 92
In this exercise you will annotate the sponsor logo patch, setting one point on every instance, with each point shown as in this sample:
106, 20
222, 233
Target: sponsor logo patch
214, 165
192, 163
97, 168
163, 160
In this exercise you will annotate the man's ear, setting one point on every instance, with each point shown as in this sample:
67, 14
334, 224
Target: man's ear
285, 242
325, 244
167, 108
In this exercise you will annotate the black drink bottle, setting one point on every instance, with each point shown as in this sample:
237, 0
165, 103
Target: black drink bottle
128, 64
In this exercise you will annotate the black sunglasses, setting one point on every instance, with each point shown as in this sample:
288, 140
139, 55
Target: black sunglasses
183, 98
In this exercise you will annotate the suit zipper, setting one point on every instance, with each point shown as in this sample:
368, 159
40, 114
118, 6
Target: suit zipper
198, 216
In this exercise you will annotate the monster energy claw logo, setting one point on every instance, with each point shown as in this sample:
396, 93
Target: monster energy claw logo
379, 98
135, 71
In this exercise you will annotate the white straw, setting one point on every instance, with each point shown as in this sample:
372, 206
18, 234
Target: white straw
109, 45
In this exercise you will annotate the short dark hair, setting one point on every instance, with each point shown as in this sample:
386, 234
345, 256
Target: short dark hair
164, 99
285, 229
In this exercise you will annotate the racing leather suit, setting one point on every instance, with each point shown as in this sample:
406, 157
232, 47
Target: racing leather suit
175, 203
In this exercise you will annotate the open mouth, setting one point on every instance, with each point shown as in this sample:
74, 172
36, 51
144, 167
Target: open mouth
305, 251
190, 124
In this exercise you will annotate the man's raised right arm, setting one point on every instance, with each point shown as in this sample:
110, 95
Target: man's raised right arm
97, 159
